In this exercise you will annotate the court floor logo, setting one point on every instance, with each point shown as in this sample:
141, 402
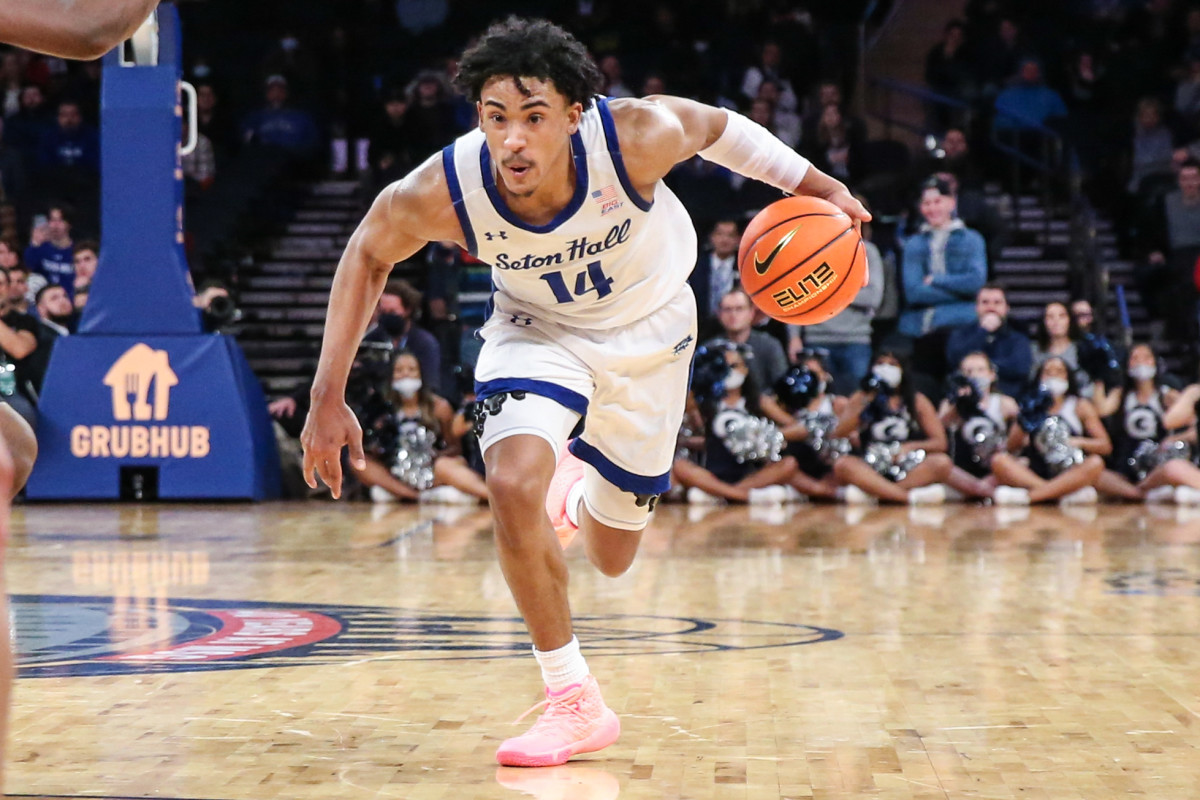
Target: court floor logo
60, 635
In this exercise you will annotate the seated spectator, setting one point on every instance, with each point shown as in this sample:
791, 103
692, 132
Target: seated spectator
835, 149
200, 165
726, 393
279, 125
846, 337
1001, 55
901, 454
1028, 103
1187, 94
18, 342
953, 155
1046, 470
769, 68
716, 273
767, 361
948, 69
71, 143
830, 94
1132, 474
414, 427
430, 116
1152, 147
87, 257
35, 119
12, 170
1057, 336
1174, 243
1009, 350
55, 318
51, 252
785, 124
10, 254
213, 122
943, 266
395, 322
614, 85
390, 151
18, 289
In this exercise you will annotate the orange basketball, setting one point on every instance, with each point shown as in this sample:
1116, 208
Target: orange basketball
801, 260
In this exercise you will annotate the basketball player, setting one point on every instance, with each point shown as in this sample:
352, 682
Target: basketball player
18, 449
561, 192
83, 29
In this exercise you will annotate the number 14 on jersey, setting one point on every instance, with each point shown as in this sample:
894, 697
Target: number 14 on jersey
601, 283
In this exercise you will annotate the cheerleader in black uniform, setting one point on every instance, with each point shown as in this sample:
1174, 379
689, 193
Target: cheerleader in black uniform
727, 398
1075, 483
411, 407
802, 400
1141, 407
887, 410
978, 419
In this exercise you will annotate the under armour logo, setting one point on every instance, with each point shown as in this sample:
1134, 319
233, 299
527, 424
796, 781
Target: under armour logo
499, 235
517, 319
683, 345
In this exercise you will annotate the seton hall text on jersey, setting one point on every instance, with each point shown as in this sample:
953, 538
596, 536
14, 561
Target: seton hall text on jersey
576, 249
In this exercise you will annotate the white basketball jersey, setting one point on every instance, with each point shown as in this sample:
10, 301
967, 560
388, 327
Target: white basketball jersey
608, 259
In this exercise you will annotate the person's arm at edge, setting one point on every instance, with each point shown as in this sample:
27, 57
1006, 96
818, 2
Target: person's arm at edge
81, 29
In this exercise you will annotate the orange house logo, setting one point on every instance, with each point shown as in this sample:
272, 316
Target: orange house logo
131, 378
140, 383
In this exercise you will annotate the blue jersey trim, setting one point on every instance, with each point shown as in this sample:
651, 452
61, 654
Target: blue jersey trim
578, 153
621, 478
614, 151
564, 397
456, 196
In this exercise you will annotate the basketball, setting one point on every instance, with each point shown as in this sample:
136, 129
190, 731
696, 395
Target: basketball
801, 260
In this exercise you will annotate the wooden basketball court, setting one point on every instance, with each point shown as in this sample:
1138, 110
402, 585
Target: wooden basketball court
247, 652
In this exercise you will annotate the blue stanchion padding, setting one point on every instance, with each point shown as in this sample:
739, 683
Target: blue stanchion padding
183, 404
141, 281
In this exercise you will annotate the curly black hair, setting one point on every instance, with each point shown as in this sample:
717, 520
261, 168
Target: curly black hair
530, 48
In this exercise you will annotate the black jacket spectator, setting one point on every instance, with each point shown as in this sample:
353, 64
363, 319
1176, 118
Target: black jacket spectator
1010, 351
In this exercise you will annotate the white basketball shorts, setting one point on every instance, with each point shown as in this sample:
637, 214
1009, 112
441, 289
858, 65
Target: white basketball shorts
629, 383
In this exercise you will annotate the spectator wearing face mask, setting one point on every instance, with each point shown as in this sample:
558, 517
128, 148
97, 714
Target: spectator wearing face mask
413, 424
1142, 403
887, 411
399, 307
1047, 475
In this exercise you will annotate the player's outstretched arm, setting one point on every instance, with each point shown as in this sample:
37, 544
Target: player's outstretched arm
403, 218
678, 128
84, 29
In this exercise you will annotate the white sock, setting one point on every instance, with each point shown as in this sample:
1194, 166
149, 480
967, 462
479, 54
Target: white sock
574, 498
562, 667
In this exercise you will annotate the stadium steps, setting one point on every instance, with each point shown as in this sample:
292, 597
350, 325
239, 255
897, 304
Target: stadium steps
285, 294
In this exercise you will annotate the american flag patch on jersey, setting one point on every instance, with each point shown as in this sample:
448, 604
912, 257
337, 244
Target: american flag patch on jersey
607, 198
604, 195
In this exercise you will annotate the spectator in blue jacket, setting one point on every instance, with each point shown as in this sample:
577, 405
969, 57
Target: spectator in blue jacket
51, 252
1010, 351
70, 143
943, 266
1028, 103
279, 125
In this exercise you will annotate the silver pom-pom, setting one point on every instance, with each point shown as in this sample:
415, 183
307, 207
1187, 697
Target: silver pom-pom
749, 438
820, 435
984, 438
886, 459
1053, 441
413, 464
1149, 455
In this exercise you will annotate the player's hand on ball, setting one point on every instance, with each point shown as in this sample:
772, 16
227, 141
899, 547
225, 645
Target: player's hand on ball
330, 426
851, 205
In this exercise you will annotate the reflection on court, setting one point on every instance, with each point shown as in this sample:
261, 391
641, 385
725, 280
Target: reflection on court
321, 650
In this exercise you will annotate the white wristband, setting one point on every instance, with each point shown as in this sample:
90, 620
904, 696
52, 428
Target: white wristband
749, 149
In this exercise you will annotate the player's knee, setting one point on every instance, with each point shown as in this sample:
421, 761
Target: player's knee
515, 489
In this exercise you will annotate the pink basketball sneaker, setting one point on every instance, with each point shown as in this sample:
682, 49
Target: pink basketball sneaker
575, 721
568, 472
